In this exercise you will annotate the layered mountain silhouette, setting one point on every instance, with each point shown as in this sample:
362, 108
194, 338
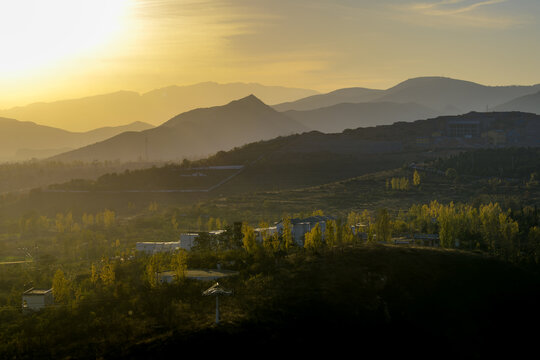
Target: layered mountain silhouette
153, 107
336, 118
195, 133
527, 103
23, 140
347, 95
445, 95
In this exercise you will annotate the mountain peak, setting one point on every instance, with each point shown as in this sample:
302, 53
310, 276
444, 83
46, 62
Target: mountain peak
250, 99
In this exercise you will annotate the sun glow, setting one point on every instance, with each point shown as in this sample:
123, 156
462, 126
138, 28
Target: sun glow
36, 33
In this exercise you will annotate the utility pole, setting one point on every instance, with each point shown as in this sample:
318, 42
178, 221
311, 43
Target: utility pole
216, 290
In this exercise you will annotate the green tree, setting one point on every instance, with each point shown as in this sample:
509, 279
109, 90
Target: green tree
330, 235
199, 224
210, 224
94, 274
109, 218
451, 173
288, 241
153, 266
416, 178
490, 225
383, 228
61, 287
313, 239
107, 274
509, 230
179, 264
248, 239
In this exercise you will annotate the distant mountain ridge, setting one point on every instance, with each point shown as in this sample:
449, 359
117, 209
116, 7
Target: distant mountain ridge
347, 95
152, 107
528, 103
336, 118
445, 95
23, 140
195, 133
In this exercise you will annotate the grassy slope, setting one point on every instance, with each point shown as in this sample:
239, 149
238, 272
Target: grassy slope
369, 192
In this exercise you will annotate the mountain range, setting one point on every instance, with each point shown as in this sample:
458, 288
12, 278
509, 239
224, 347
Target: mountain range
444, 95
23, 140
528, 103
194, 134
153, 107
336, 118
199, 132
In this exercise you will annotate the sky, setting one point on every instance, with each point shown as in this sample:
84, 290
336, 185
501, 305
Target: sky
60, 49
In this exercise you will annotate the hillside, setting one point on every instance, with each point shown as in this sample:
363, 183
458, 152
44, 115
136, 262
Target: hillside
23, 140
196, 133
316, 158
382, 300
528, 103
336, 118
153, 107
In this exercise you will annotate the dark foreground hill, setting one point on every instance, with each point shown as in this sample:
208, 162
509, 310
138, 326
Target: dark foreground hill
371, 300
380, 301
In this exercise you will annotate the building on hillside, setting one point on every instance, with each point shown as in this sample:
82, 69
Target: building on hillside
261, 233
299, 227
426, 239
463, 128
495, 137
187, 240
37, 299
151, 248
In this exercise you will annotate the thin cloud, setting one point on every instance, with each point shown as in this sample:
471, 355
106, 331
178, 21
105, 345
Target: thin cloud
446, 7
461, 13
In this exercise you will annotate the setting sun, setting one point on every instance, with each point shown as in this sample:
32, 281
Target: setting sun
35, 33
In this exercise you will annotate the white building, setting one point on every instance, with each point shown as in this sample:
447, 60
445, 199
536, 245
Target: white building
187, 240
157, 247
36, 299
299, 227
261, 233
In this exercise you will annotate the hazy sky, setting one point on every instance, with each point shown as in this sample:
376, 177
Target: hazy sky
57, 49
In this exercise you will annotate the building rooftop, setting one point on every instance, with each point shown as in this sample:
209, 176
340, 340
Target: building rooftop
312, 219
33, 291
204, 273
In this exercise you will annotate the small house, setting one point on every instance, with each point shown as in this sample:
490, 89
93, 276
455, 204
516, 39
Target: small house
37, 299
